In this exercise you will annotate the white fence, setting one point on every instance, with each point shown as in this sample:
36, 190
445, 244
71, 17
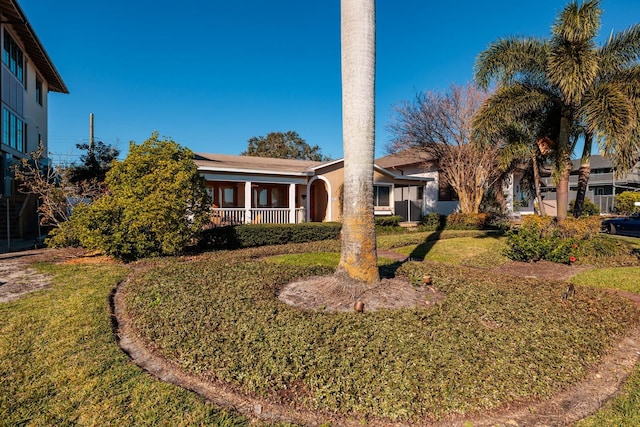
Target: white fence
235, 216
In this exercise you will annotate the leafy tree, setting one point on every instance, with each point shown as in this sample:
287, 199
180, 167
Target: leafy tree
440, 125
287, 145
358, 259
580, 88
624, 202
156, 204
94, 164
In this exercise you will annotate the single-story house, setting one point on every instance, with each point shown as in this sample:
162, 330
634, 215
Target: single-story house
248, 189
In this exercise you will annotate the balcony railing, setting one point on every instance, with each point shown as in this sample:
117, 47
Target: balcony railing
236, 216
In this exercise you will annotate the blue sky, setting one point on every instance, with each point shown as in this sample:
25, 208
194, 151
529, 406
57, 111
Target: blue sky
212, 74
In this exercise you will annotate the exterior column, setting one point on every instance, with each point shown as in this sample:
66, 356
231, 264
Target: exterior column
292, 203
247, 202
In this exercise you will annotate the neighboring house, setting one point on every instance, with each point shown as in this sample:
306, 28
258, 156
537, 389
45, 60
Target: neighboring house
603, 185
438, 196
248, 189
27, 75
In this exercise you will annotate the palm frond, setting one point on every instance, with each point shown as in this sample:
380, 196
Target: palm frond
578, 23
508, 105
609, 112
572, 67
621, 50
510, 58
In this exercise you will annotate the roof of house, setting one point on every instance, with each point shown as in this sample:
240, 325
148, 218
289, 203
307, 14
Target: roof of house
268, 165
13, 14
403, 158
229, 163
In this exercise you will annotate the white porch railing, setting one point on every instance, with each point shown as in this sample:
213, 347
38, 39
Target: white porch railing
235, 216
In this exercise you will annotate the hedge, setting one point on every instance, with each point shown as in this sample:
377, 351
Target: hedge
251, 235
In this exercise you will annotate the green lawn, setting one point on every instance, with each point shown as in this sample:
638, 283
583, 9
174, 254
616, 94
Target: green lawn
60, 363
215, 314
485, 345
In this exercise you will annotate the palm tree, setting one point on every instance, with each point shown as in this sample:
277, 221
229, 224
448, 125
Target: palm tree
358, 260
568, 79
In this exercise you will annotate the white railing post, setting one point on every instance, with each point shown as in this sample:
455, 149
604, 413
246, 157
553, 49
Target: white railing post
292, 203
247, 202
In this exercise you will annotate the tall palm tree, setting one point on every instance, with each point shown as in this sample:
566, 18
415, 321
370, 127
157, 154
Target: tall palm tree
358, 260
612, 108
568, 78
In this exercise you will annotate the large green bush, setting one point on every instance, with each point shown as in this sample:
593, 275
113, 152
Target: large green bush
156, 204
542, 238
624, 203
251, 235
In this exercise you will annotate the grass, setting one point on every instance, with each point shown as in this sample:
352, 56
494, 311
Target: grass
60, 363
624, 278
486, 344
480, 252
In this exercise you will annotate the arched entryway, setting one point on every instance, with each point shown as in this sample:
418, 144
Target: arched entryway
318, 201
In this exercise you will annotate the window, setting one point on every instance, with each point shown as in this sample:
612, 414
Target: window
381, 195
38, 90
13, 130
12, 56
270, 196
446, 193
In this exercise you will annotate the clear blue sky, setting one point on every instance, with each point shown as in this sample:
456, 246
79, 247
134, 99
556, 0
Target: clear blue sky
212, 74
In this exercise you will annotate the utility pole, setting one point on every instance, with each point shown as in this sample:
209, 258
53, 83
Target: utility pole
91, 143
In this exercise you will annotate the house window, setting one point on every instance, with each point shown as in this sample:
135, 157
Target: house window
38, 90
381, 196
12, 56
270, 196
446, 193
13, 130
228, 197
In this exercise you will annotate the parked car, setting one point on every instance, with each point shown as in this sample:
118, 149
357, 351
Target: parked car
628, 226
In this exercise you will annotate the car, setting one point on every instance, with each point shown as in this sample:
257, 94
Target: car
627, 226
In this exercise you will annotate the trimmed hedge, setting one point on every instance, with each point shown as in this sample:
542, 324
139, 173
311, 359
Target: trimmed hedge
251, 235
388, 221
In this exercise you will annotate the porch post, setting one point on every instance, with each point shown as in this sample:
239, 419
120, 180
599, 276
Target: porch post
292, 203
247, 202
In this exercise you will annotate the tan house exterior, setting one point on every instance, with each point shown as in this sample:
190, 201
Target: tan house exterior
248, 189
27, 76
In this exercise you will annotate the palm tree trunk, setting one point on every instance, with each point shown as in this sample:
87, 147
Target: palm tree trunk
536, 184
358, 260
583, 175
563, 163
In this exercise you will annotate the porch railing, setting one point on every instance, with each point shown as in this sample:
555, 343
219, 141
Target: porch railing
235, 216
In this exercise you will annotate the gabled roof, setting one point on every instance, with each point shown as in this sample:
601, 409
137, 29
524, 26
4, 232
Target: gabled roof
250, 164
13, 14
404, 158
272, 166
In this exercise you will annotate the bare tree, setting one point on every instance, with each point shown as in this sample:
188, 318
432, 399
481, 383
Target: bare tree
440, 124
52, 187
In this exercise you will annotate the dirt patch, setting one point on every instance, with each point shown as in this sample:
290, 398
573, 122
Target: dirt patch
541, 270
328, 293
17, 279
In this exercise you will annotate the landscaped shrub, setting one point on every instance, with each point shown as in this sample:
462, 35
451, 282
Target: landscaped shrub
624, 203
388, 221
542, 238
156, 204
588, 209
433, 220
468, 221
250, 235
